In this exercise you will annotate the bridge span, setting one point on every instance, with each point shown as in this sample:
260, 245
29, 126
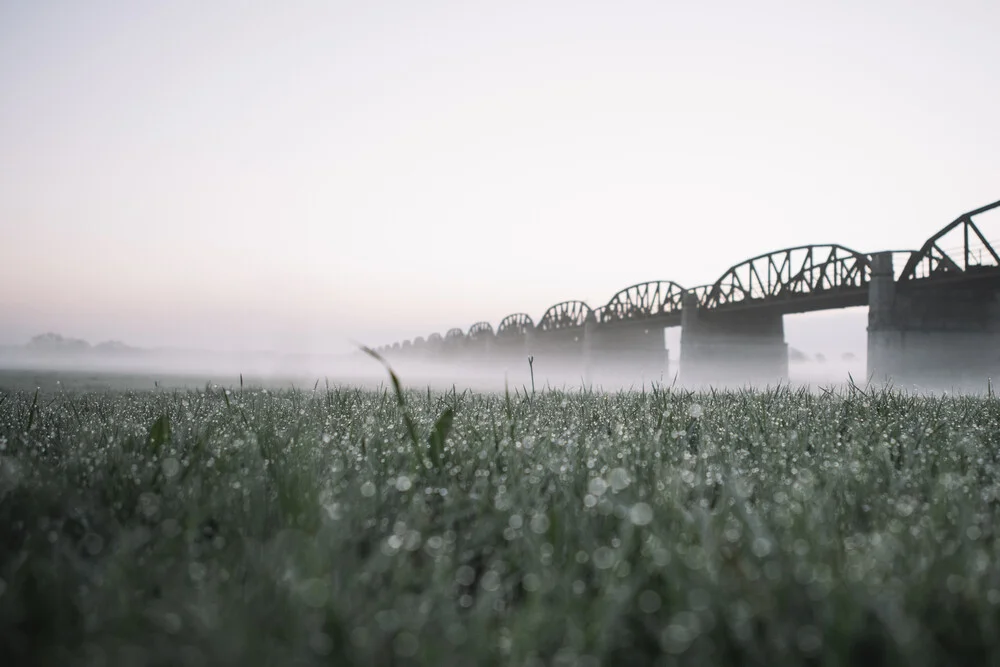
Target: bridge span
934, 315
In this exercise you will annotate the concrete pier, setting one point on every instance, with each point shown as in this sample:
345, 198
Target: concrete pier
626, 354
734, 347
560, 356
938, 333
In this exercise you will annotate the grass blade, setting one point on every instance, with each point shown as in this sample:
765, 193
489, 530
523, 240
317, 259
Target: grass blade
159, 433
32, 411
439, 434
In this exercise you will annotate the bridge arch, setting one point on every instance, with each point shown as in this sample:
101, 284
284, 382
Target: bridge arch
936, 258
790, 273
642, 300
565, 315
515, 324
480, 330
454, 334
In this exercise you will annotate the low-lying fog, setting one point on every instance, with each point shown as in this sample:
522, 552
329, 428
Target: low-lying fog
195, 369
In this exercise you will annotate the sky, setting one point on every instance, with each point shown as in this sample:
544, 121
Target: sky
300, 175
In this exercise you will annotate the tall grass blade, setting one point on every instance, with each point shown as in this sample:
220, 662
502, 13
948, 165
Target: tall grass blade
411, 428
32, 411
439, 434
159, 433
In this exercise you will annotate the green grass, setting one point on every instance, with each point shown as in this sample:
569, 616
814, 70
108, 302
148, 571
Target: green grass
342, 526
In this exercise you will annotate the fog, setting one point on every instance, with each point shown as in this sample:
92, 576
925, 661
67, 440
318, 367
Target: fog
24, 369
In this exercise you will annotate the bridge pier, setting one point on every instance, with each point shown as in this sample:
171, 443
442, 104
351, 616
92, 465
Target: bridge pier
512, 349
734, 347
560, 356
625, 354
939, 333
478, 352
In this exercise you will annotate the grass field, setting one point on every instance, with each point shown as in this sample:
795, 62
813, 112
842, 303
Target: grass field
340, 526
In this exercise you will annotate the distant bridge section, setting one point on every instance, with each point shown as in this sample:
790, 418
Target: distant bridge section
560, 338
659, 300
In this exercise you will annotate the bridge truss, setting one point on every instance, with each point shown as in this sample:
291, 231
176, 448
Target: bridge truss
565, 315
939, 257
793, 273
642, 301
480, 331
516, 324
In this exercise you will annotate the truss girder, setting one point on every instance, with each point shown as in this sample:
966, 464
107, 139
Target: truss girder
975, 251
515, 324
701, 293
641, 301
480, 330
791, 273
565, 315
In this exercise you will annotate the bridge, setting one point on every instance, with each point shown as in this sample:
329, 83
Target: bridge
934, 315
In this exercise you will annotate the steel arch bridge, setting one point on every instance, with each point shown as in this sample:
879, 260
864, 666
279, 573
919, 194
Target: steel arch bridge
660, 298
791, 280
565, 315
799, 279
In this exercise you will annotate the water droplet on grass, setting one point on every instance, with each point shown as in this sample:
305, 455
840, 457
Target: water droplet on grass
619, 479
640, 514
597, 487
171, 467
604, 558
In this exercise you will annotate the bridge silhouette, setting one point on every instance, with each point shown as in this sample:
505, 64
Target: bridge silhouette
934, 315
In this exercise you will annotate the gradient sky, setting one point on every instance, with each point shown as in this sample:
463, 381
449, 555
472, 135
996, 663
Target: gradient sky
293, 175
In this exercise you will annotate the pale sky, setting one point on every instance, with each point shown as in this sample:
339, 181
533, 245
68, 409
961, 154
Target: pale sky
294, 175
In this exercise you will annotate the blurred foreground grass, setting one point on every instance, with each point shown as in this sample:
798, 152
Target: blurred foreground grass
215, 526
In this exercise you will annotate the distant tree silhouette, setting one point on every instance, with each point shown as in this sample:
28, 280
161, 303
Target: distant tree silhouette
112, 346
53, 342
797, 355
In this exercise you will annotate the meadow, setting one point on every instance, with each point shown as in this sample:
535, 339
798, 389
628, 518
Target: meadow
330, 525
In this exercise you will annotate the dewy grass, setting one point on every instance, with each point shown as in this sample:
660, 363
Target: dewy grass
665, 527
